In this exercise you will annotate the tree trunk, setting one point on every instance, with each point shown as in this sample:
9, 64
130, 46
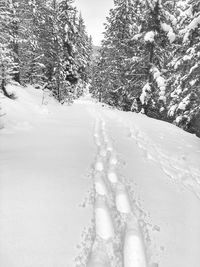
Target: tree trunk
17, 73
100, 95
58, 89
3, 87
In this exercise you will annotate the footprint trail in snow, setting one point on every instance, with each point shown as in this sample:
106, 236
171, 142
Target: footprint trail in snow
174, 168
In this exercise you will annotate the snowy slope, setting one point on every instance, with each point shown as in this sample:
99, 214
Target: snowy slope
45, 160
160, 166
143, 178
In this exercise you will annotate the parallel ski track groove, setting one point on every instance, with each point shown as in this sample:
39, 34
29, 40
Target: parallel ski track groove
119, 239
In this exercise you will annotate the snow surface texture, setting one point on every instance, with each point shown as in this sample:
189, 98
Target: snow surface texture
145, 176
45, 155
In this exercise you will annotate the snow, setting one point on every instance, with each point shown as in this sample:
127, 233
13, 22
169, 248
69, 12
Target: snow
193, 68
166, 192
161, 82
100, 186
99, 166
170, 33
133, 246
192, 26
43, 181
186, 57
66, 28
145, 93
136, 36
172, 110
113, 160
179, 119
112, 176
149, 37
131, 182
122, 200
184, 103
103, 220
98, 258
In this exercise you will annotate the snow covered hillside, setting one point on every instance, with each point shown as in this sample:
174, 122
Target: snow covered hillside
86, 185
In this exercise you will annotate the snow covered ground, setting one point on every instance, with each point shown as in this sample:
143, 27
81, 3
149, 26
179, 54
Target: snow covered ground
122, 187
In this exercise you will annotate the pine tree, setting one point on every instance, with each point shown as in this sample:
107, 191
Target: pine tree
118, 52
31, 54
157, 37
135, 52
15, 34
44, 41
50, 48
98, 84
184, 106
83, 56
8, 66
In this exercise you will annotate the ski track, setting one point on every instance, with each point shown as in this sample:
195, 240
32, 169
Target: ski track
119, 232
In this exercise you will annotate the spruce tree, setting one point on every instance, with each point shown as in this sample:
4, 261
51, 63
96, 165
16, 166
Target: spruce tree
83, 56
8, 66
15, 33
157, 37
118, 53
184, 106
31, 54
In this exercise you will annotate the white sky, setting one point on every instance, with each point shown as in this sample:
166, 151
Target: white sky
94, 13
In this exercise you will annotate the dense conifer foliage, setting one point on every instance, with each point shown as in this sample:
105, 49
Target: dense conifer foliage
44, 43
149, 60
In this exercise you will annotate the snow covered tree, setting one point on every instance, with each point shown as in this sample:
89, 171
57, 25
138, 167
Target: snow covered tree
184, 106
8, 66
149, 60
47, 43
118, 54
15, 34
135, 53
31, 54
99, 78
50, 49
76, 48
156, 38
83, 56
68, 20
17, 27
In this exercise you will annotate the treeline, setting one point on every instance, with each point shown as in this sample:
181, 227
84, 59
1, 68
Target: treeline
150, 60
44, 42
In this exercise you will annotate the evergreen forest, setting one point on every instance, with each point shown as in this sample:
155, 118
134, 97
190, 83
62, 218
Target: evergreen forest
148, 62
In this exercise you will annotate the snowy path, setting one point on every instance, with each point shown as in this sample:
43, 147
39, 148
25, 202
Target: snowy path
156, 194
138, 179
117, 226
